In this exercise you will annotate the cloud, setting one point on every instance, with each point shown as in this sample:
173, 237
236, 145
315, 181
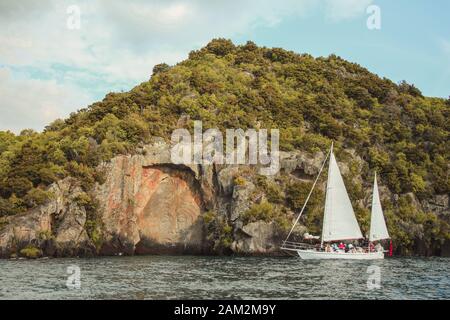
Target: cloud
338, 10
184, 24
121, 32
10, 10
117, 45
129, 34
23, 101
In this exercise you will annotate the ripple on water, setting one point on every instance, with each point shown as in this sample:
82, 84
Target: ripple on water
191, 277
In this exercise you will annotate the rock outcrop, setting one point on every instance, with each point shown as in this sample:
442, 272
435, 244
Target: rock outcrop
439, 204
147, 205
58, 227
258, 238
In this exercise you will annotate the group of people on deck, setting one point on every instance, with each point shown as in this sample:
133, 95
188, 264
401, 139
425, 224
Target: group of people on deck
350, 248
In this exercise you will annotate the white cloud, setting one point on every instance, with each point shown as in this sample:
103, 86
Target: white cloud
31, 103
117, 45
122, 36
338, 10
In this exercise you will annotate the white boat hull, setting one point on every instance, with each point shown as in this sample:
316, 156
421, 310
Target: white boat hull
316, 255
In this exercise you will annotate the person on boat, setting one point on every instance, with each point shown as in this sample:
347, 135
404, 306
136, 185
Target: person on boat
371, 247
351, 248
327, 248
341, 246
334, 247
378, 247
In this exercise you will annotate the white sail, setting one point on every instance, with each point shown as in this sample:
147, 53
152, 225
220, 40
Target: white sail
378, 230
339, 221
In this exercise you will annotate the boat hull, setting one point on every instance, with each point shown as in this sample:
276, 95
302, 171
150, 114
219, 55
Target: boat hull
322, 255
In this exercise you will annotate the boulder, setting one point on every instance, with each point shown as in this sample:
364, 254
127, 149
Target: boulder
257, 238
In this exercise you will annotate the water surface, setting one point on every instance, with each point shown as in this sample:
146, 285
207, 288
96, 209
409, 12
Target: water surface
200, 277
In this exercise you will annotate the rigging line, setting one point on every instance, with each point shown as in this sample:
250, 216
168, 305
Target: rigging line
309, 195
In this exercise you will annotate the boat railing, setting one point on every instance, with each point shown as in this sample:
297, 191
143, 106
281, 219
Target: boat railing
289, 245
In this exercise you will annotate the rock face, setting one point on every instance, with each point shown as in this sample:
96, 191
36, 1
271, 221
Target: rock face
258, 238
150, 208
301, 165
148, 205
57, 227
439, 204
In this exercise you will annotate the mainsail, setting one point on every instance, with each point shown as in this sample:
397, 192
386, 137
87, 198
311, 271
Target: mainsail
339, 222
378, 230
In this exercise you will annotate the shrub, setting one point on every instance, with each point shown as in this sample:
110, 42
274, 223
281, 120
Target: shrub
261, 211
83, 199
94, 232
31, 252
7, 208
274, 194
36, 197
209, 217
219, 232
160, 68
240, 181
46, 235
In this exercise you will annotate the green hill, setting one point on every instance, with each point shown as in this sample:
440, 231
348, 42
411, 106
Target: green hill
392, 127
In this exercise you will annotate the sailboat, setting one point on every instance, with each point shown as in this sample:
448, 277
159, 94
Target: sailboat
339, 222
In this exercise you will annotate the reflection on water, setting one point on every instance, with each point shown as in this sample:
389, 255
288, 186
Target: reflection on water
193, 277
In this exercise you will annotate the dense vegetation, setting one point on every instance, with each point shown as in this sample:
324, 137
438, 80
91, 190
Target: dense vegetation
392, 127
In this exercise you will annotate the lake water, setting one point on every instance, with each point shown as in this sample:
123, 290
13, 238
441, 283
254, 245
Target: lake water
195, 277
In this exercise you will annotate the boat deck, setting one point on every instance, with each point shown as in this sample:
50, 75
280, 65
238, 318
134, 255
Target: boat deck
294, 246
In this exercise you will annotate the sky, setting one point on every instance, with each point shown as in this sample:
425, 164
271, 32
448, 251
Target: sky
51, 65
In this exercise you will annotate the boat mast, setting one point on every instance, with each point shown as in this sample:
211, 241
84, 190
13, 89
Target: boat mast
310, 192
326, 195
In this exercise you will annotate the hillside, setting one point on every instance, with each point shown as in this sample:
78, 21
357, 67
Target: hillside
375, 124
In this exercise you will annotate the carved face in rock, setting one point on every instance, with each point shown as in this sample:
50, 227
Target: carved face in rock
167, 207
154, 209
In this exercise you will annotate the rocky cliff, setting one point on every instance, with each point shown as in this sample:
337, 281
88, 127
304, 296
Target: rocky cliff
147, 205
